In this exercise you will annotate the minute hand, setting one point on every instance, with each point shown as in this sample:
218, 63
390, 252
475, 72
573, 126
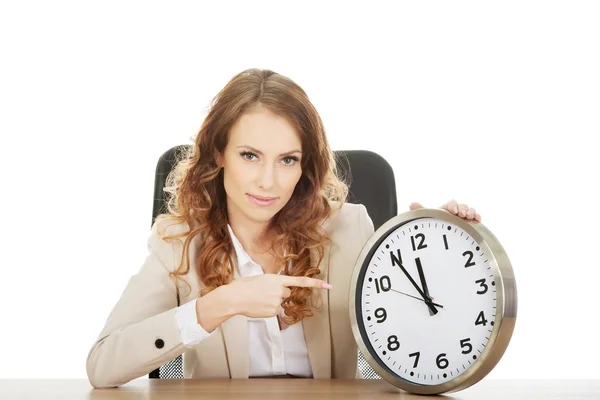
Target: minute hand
425, 298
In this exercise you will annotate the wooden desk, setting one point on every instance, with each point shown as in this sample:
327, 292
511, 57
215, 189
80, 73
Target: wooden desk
289, 389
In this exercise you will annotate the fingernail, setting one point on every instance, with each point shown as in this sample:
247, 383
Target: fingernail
327, 286
455, 209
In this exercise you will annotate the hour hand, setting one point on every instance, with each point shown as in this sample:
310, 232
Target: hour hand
422, 277
424, 284
427, 300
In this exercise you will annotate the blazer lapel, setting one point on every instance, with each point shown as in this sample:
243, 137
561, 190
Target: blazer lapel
235, 335
316, 328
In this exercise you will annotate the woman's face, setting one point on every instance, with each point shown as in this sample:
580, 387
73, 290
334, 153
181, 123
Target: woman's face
261, 165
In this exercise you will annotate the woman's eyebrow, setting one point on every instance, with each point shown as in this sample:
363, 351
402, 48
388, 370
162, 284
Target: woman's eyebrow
260, 153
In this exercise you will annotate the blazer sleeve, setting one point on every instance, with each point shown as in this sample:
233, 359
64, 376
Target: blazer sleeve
141, 332
366, 224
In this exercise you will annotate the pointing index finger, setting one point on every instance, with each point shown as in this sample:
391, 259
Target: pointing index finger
304, 281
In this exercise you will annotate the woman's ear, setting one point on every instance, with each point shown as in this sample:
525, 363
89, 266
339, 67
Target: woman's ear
219, 159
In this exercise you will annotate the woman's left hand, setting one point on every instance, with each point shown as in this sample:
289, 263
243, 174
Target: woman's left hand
462, 210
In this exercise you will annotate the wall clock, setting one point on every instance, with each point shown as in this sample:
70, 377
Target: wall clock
433, 301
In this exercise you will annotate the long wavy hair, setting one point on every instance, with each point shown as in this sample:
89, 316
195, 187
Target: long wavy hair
196, 194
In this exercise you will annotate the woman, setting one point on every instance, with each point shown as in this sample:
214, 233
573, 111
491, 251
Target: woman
248, 272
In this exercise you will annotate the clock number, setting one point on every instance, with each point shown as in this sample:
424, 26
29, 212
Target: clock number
481, 319
396, 260
421, 245
469, 261
483, 285
465, 343
416, 355
385, 285
445, 242
442, 362
393, 343
380, 313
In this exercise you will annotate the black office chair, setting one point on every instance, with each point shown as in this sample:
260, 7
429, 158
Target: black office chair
371, 182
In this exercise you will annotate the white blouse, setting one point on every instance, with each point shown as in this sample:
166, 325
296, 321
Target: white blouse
272, 352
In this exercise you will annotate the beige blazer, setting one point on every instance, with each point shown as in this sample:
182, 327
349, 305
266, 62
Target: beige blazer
141, 332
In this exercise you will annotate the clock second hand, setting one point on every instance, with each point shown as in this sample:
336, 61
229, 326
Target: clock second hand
415, 297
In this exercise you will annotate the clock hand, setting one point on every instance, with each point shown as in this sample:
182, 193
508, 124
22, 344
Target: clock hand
431, 306
423, 282
415, 297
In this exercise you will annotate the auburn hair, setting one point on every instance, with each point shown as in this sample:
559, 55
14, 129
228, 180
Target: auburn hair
196, 194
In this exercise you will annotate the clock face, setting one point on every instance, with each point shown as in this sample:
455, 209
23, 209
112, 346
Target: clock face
434, 328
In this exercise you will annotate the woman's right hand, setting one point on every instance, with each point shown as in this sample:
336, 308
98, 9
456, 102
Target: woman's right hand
261, 296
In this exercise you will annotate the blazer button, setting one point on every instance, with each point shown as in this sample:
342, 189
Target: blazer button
159, 343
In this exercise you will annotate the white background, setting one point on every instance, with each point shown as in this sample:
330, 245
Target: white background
494, 104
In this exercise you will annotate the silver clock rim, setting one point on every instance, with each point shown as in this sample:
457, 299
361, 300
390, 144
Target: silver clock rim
506, 303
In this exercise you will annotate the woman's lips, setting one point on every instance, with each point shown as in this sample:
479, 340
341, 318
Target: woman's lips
261, 201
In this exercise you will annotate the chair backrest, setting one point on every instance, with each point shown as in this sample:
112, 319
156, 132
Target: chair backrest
371, 182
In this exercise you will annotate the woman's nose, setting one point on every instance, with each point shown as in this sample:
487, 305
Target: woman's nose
266, 179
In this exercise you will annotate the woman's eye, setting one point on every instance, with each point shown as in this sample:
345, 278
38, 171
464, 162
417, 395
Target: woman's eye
290, 160
248, 156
